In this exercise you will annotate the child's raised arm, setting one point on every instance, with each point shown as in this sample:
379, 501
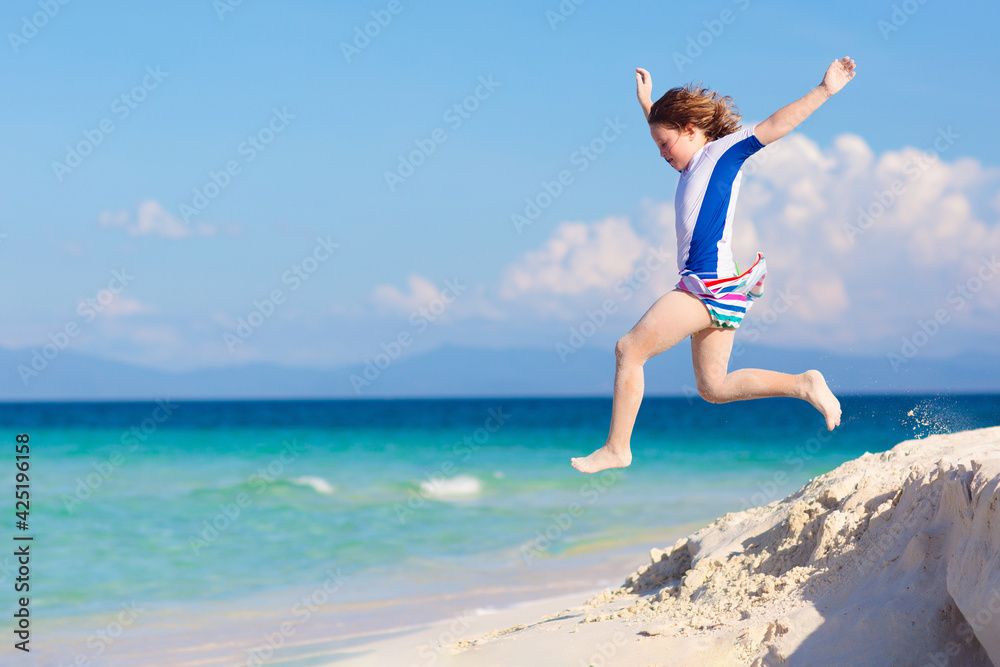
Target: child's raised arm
785, 119
644, 89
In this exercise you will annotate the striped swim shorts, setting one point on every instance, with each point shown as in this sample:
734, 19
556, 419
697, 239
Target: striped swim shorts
727, 299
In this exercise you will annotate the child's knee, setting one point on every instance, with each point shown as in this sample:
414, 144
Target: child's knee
627, 349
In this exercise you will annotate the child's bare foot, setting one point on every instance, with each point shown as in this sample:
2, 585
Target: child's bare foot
602, 459
817, 393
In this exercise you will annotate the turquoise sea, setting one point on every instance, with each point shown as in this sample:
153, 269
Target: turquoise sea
163, 524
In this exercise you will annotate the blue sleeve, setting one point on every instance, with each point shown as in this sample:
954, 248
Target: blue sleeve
741, 145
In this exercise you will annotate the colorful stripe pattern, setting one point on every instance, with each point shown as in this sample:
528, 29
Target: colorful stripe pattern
727, 299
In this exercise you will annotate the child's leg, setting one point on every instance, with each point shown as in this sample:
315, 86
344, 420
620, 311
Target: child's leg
674, 315
710, 352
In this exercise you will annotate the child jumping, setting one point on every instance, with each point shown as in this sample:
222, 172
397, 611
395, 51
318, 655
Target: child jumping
698, 134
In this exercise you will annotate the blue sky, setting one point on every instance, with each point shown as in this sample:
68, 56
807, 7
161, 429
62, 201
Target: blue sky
436, 258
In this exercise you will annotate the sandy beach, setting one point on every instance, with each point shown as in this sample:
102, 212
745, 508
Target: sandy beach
890, 559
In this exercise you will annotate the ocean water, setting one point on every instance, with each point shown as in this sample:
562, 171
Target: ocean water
177, 506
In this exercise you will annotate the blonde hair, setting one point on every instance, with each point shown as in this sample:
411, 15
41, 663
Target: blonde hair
717, 116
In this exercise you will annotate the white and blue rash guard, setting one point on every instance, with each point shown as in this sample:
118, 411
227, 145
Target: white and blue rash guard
705, 202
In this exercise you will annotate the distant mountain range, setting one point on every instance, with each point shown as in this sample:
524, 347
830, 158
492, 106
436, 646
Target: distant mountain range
473, 372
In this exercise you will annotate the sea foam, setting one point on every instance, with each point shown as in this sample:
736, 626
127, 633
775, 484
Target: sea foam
318, 484
461, 486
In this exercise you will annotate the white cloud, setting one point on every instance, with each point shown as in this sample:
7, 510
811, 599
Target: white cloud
151, 219
872, 244
151, 342
455, 299
867, 246
422, 291
577, 257
111, 304
582, 263
123, 306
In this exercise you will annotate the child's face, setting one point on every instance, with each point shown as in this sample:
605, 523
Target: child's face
677, 146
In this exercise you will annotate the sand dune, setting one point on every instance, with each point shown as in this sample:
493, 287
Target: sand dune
891, 559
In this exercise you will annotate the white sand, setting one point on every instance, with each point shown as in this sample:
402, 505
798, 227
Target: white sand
891, 559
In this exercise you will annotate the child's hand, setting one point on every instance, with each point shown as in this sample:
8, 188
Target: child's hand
838, 74
644, 89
